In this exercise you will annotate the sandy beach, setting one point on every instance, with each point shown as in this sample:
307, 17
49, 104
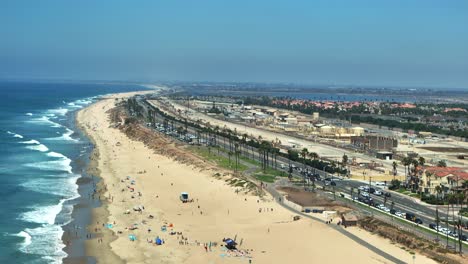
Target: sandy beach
134, 177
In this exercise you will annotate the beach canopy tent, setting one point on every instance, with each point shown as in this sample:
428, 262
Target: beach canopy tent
230, 244
138, 208
158, 241
184, 197
132, 237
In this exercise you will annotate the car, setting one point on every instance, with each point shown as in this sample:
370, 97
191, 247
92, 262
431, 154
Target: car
387, 194
463, 237
432, 226
371, 190
387, 210
378, 193
363, 188
392, 211
380, 183
418, 221
364, 194
399, 214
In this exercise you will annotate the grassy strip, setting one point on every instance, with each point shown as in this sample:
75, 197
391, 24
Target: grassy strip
265, 177
221, 161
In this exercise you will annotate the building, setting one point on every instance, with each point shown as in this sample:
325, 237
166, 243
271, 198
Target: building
349, 219
448, 178
385, 155
315, 116
378, 143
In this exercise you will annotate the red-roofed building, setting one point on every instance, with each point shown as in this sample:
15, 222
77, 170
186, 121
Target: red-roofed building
449, 178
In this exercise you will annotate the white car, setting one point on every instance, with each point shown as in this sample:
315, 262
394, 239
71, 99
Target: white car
400, 214
378, 193
365, 194
386, 209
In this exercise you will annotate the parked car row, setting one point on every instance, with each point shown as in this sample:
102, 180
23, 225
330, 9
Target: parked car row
378, 192
446, 231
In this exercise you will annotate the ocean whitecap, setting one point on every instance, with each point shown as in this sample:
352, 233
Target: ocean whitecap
32, 141
46, 241
66, 136
14, 134
54, 165
40, 147
44, 120
29, 114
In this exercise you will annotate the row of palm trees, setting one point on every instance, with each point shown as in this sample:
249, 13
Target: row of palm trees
411, 170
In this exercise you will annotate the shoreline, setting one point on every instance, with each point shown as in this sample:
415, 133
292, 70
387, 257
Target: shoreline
88, 208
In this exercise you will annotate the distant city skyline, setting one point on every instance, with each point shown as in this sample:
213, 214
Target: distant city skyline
361, 43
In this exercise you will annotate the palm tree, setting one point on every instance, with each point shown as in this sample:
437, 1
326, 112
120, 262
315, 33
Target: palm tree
394, 165
421, 161
438, 190
406, 161
441, 163
304, 153
344, 161
313, 155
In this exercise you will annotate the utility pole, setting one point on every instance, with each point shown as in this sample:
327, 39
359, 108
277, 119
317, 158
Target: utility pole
370, 180
446, 223
437, 222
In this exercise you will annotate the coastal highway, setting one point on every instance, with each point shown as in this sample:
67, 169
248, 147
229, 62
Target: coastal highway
403, 203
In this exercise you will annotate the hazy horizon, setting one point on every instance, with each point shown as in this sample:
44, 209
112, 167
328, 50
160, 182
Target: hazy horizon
421, 44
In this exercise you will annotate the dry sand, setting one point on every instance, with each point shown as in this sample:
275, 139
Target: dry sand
216, 213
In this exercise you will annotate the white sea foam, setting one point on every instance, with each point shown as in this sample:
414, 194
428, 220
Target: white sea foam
54, 165
57, 111
44, 120
63, 187
32, 141
29, 114
40, 147
66, 136
42, 214
46, 241
56, 155
27, 239
14, 134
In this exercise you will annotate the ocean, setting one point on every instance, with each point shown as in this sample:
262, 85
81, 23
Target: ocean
41, 156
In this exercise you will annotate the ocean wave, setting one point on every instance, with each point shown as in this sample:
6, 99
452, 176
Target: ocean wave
66, 136
29, 114
40, 147
64, 186
32, 141
56, 155
46, 241
27, 239
58, 111
44, 120
43, 214
14, 134
54, 165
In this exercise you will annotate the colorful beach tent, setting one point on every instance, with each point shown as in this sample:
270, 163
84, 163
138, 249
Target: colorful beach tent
158, 241
230, 244
132, 237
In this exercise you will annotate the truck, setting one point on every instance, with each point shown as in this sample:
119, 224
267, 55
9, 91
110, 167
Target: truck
410, 216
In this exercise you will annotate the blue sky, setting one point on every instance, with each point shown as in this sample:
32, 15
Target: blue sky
397, 42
